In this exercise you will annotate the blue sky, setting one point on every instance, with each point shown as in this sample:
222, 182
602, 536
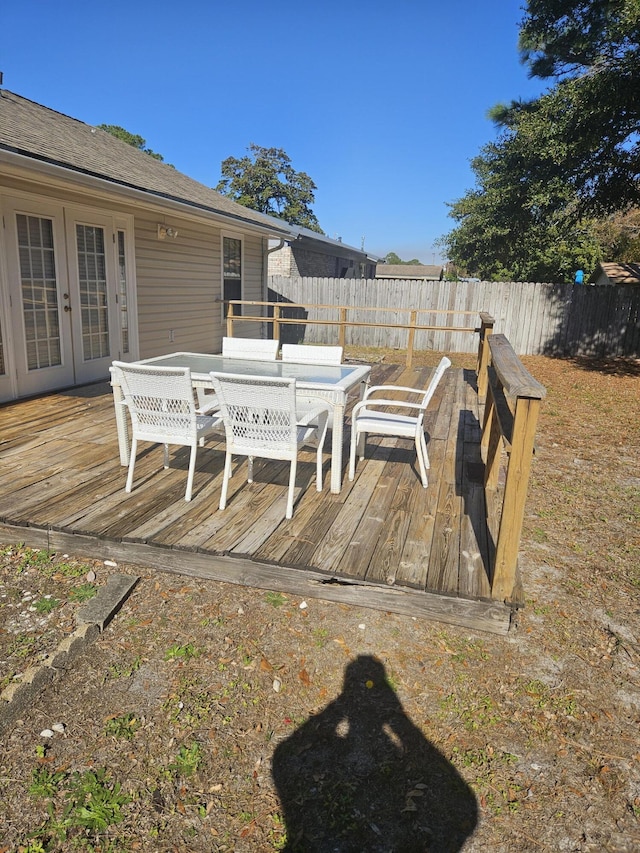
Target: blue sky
382, 104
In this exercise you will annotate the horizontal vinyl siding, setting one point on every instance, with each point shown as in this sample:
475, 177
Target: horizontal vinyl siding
178, 288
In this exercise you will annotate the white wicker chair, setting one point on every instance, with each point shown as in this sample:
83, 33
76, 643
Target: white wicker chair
160, 402
374, 416
261, 419
258, 349
255, 349
311, 354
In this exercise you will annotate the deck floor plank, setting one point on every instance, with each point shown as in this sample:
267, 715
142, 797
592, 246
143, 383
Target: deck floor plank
384, 541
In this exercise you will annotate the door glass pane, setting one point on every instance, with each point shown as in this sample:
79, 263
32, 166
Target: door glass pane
122, 294
39, 290
93, 291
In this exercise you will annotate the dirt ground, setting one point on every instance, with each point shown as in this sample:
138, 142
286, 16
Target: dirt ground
212, 717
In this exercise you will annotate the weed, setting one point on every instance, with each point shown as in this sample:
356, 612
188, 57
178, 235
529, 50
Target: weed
45, 605
321, 635
275, 599
44, 782
92, 804
22, 646
124, 670
124, 726
187, 760
178, 652
83, 592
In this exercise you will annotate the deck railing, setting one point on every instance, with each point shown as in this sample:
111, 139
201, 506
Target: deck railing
510, 419
512, 400
273, 312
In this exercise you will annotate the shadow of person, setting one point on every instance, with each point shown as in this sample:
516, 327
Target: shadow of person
360, 777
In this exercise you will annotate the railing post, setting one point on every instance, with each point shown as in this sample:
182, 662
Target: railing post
342, 328
276, 321
515, 493
486, 328
230, 320
412, 337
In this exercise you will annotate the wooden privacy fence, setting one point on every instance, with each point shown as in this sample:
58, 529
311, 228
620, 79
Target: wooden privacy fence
510, 419
538, 319
340, 319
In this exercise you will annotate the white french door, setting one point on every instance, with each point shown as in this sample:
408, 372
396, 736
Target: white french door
67, 288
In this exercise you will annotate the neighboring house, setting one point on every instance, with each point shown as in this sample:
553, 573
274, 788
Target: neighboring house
313, 254
424, 272
108, 253
610, 273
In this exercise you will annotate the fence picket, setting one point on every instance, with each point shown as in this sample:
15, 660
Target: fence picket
552, 319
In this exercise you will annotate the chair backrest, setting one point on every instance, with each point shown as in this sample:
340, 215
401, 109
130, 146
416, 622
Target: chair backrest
259, 413
311, 354
160, 401
433, 384
259, 349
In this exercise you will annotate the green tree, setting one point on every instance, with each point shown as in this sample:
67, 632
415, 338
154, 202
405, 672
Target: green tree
591, 49
265, 180
392, 258
131, 139
564, 160
513, 226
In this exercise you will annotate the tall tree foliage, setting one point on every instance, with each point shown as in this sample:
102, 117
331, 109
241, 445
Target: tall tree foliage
564, 159
265, 180
132, 139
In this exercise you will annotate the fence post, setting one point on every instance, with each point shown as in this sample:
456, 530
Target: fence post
342, 328
276, 321
412, 337
486, 328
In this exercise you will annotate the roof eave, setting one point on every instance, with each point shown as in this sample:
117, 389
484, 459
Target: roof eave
87, 178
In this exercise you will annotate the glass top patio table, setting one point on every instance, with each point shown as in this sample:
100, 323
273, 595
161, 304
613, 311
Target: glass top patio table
327, 382
201, 364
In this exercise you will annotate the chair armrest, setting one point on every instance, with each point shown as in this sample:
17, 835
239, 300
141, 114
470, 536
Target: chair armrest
210, 406
373, 388
306, 416
396, 404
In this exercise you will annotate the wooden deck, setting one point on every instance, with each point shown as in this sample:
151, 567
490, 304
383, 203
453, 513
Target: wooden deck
383, 542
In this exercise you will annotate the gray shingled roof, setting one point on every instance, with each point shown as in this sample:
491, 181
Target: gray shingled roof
43, 134
430, 271
620, 273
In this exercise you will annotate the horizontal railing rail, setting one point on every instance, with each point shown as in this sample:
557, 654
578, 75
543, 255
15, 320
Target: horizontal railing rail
275, 313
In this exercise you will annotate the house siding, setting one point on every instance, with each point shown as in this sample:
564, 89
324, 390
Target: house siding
177, 282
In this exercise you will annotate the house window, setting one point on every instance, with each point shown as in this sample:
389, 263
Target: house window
232, 272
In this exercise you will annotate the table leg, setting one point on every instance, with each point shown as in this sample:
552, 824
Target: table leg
336, 447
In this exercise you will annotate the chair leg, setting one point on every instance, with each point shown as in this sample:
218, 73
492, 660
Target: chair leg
192, 468
352, 453
166, 456
421, 463
132, 463
292, 483
250, 469
225, 480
